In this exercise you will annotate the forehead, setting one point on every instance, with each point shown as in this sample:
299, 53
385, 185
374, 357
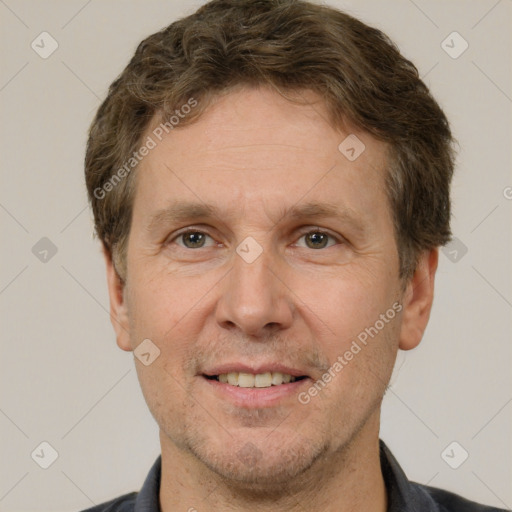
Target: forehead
253, 146
255, 116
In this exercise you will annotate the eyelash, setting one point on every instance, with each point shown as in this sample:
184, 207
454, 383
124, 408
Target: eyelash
338, 240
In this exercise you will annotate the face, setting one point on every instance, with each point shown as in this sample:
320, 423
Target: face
260, 253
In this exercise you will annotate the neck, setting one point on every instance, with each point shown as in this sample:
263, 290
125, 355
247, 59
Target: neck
349, 479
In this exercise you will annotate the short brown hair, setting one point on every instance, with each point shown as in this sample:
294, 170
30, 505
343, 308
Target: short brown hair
291, 46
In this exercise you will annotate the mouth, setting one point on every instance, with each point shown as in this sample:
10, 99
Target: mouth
255, 380
247, 386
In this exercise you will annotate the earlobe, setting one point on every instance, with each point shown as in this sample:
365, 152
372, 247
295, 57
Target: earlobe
118, 306
417, 300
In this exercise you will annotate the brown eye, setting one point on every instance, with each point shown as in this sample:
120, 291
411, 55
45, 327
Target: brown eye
316, 240
193, 239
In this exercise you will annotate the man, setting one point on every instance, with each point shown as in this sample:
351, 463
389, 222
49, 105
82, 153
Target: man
270, 181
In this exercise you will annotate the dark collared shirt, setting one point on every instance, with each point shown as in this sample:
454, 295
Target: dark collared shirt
403, 495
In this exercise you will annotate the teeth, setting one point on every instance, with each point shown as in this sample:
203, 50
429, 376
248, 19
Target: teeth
277, 378
246, 380
261, 380
233, 379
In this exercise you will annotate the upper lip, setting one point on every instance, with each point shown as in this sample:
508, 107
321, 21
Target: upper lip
246, 368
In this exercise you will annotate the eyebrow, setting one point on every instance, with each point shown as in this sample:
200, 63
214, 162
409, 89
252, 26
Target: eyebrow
181, 211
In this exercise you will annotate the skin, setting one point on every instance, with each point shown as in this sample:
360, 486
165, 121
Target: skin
301, 303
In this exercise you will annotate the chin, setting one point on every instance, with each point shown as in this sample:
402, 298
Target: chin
260, 465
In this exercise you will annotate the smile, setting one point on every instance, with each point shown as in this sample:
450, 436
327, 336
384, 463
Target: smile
259, 380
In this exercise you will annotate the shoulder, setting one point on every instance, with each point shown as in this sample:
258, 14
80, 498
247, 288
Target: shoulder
447, 501
125, 503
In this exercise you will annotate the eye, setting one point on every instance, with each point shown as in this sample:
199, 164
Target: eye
318, 239
191, 239
196, 239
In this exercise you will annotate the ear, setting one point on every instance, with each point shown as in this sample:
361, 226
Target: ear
417, 301
118, 307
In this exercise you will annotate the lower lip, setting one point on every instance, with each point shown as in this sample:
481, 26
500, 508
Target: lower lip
256, 398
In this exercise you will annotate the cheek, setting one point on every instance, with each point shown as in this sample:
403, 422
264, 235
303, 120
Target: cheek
344, 306
159, 305
170, 314
166, 394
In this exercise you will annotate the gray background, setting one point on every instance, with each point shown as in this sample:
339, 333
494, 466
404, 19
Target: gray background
63, 379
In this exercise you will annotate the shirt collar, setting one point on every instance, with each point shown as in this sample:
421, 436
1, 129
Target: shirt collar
402, 495
148, 499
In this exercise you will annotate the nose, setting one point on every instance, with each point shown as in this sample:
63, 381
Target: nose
254, 298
